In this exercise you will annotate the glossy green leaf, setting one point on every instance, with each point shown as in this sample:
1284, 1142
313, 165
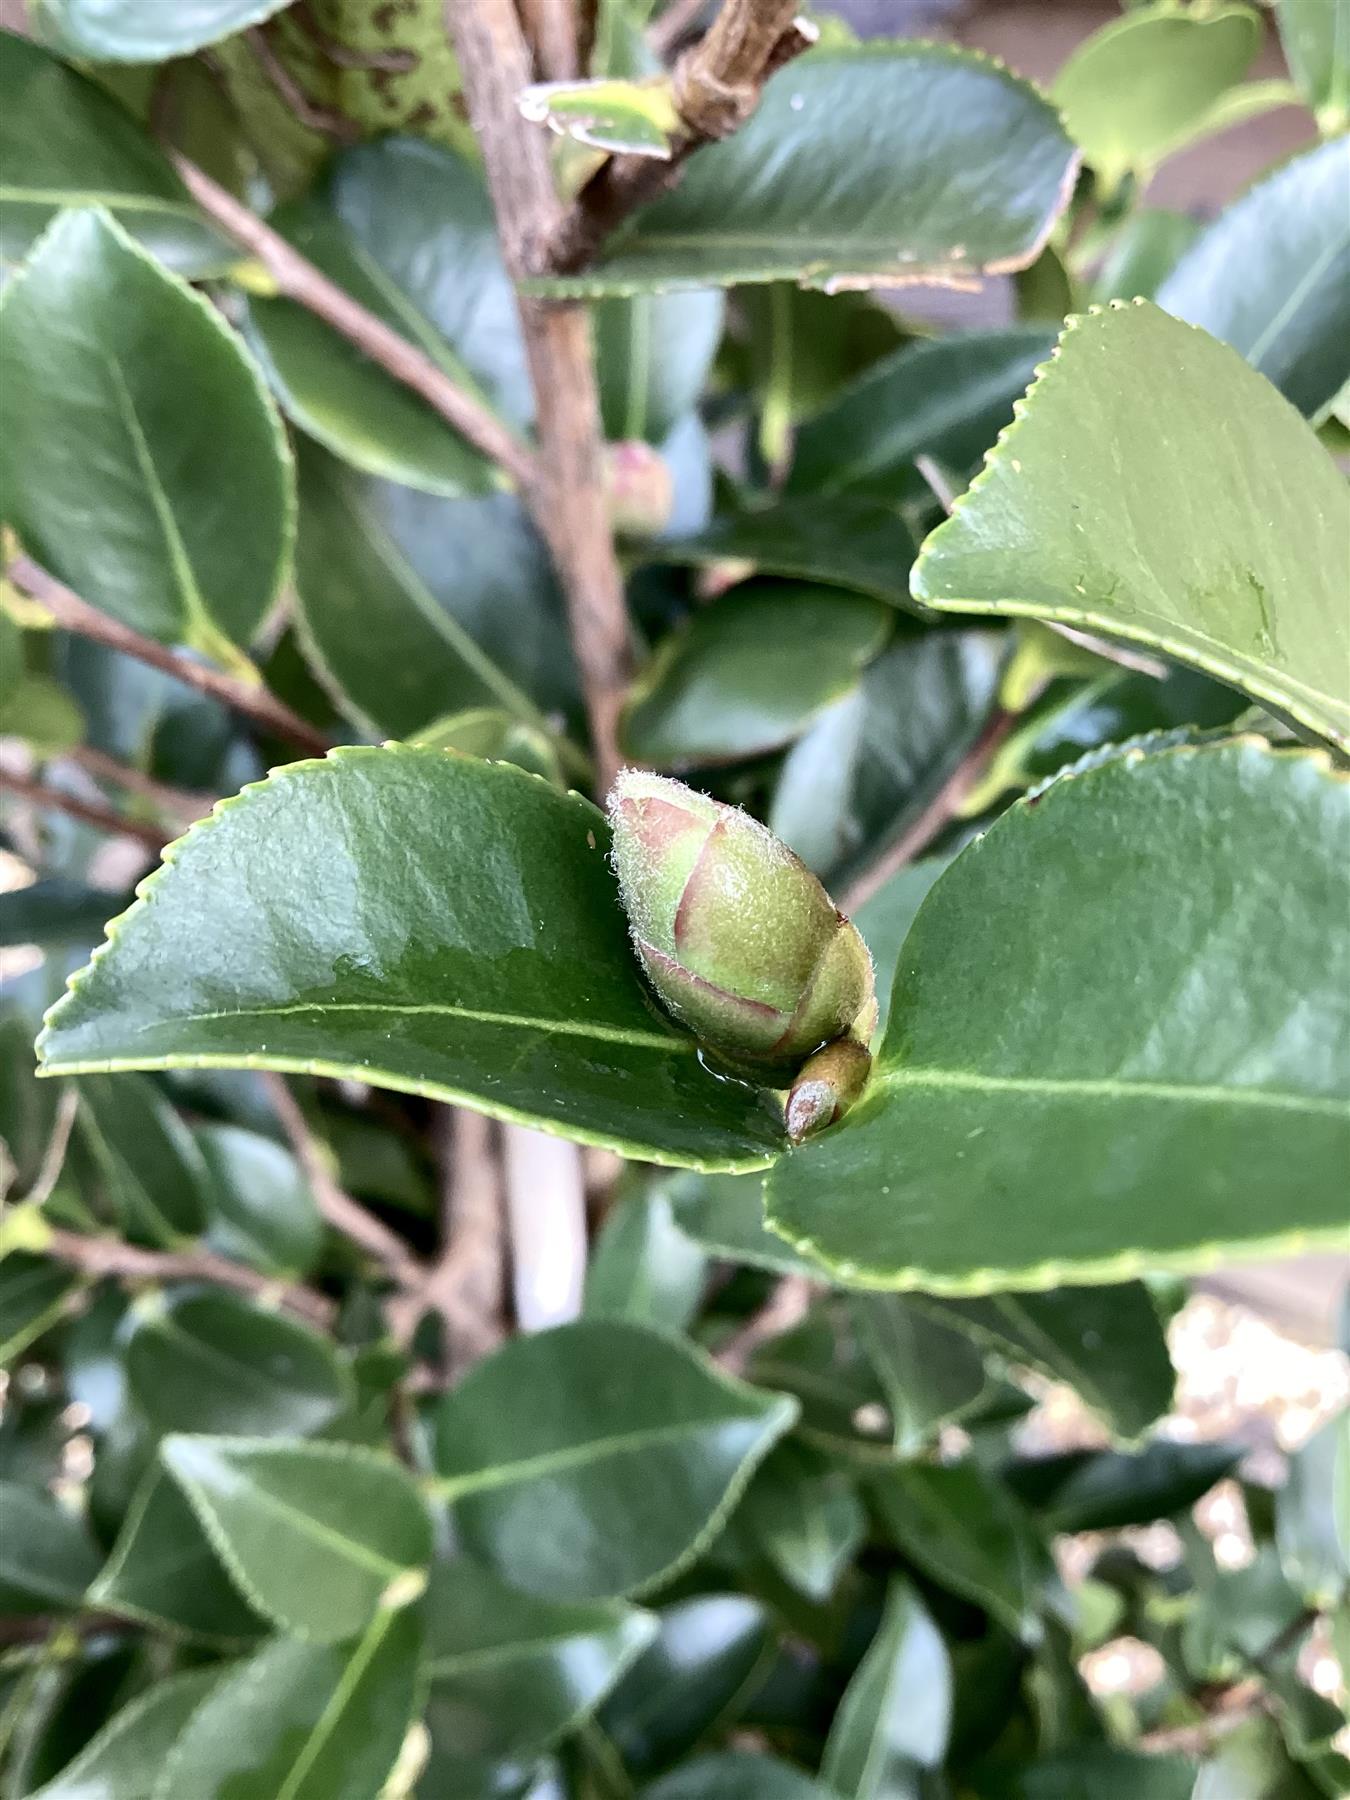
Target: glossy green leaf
1316, 39
314, 1536
1107, 1343
642, 1267
1192, 1050
803, 1515
1085, 513
652, 355
261, 1209
895, 1716
843, 177
336, 395
150, 30
736, 1775
1104, 1490
509, 1673
47, 1558
302, 1721
707, 1652
58, 911
931, 1372
121, 1761
412, 607
823, 1364
844, 540
461, 937
219, 1364
725, 1215
598, 1458
492, 734
1312, 1515
1142, 86
885, 918
1142, 253
966, 1532
748, 673
163, 1570
946, 397
1108, 1773
148, 1167
1271, 277
113, 484
636, 118
64, 141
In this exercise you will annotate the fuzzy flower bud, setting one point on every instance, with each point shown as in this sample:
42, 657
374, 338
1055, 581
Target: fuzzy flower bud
736, 935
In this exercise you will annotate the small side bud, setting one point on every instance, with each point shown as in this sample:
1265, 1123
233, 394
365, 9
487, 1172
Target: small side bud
639, 489
736, 935
827, 1084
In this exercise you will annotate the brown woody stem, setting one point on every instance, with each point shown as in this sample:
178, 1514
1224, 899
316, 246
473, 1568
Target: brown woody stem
99, 1256
102, 818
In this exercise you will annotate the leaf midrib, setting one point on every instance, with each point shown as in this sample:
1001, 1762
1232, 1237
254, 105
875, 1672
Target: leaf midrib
1110, 1088
574, 1456
306, 1525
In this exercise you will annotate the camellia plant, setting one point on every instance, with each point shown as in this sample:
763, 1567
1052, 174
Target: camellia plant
747, 886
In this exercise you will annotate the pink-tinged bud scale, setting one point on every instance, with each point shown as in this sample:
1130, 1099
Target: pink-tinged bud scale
736, 935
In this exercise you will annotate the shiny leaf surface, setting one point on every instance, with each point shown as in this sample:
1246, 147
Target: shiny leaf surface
47, 1558
149, 1169
151, 30
121, 1761
895, 1716
642, 1267
261, 1209
846, 541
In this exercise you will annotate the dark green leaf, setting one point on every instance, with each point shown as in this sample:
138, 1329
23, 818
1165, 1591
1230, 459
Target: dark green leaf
1271, 277
303, 1721
150, 30
1312, 1515
114, 484
217, 1363
652, 354
930, 1371
947, 398
261, 1208
845, 540
1086, 511
1143, 251
804, 1516
58, 911
725, 1215
510, 1673
1106, 1773
1102, 1490
843, 177
884, 919
706, 1654
122, 1761
896, 1712
33, 1295
967, 1533
47, 1558
598, 1458
643, 1268
748, 674
314, 1536
1190, 1053
448, 927
1316, 39
843, 1404
735, 1775
163, 1570
150, 1169
64, 141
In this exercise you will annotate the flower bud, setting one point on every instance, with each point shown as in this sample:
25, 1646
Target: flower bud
639, 489
736, 935
827, 1084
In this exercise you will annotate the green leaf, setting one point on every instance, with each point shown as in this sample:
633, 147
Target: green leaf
33, 1296
736, 1775
1271, 277
1107, 1343
1104, 1490
931, 1372
947, 398
1191, 1053
261, 1209
47, 1558
841, 540
885, 918
219, 1364
336, 395
636, 118
1143, 251
163, 1570
40, 711
122, 1760
58, 911
1143, 86
1107, 1773
457, 596
823, 1364
302, 1721
966, 1532
643, 1268
895, 1716
598, 1458
315, 1536
804, 1516
137, 31
1316, 39
64, 141
509, 1673
1086, 513
652, 356
748, 673
150, 1169
100, 346
706, 1654
494, 736
447, 927
725, 1215
1312, 1515
843, 178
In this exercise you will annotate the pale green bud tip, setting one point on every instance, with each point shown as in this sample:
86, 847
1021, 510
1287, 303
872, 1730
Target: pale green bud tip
736, 935
827, 1084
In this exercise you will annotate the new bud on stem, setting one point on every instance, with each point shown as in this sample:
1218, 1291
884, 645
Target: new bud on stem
740, 940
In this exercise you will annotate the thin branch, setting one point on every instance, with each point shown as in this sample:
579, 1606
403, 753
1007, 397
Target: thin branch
299, 280
566, 496
940, 810
717, 85
787, 1306
465, 1284
342, 1212
102, 818
553, 30
54, 1155
74, 614
166, 799
105, 1256
674, 25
